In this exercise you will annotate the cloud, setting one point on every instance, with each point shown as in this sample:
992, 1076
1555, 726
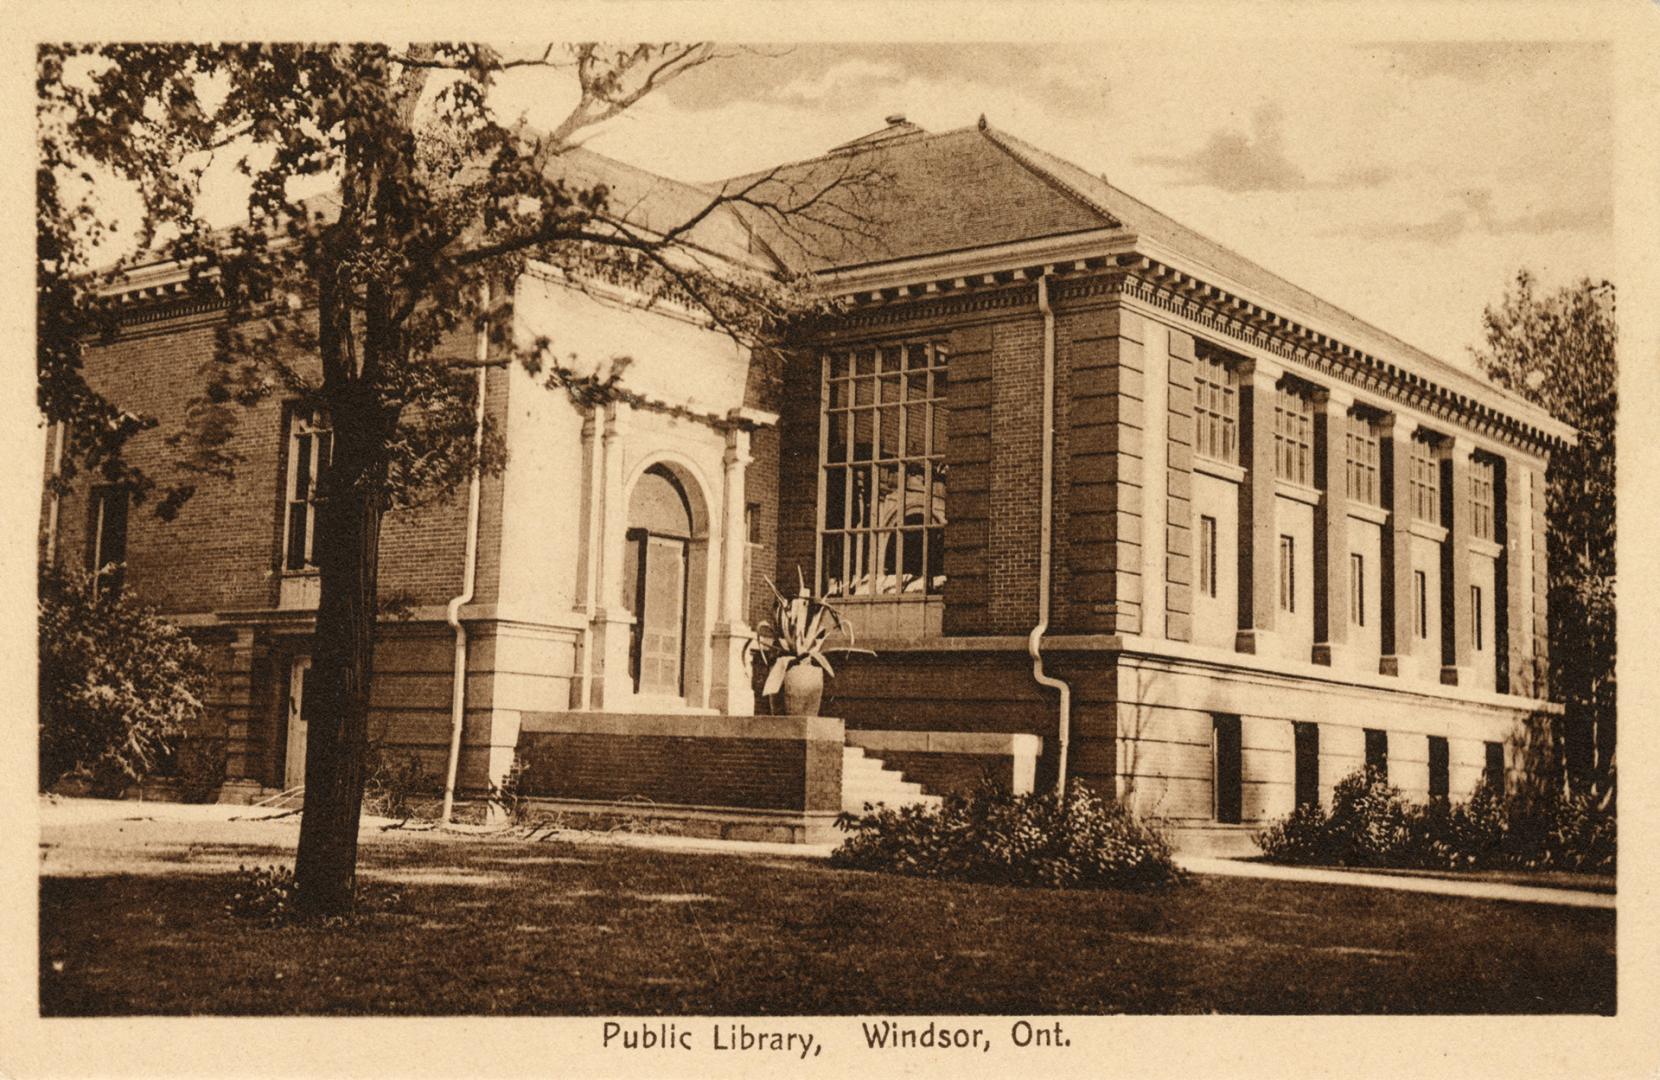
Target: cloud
1260, 161
1470, 61
1476, 214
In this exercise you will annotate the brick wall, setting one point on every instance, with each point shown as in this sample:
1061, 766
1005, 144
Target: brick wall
223, 551
682, 760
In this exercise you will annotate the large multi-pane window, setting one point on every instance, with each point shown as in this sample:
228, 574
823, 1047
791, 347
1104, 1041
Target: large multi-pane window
1215, 410
1481, 499
1425, 482
883, 471
1293, 437
310, 445
1361, 443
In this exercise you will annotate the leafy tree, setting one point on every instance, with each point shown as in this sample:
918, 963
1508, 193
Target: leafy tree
436, 204
1557, 350
118, 684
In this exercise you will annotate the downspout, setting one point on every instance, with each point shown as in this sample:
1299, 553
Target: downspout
52, 488
469, 574
590, 588
1046, 529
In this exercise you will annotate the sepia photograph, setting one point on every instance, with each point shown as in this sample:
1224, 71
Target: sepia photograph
827, 554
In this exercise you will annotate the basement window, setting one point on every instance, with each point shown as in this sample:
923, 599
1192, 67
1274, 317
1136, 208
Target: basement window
1306, 739
1377, 751
1228, 780
1440, 784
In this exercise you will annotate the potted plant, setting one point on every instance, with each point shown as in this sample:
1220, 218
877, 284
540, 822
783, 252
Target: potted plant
794, 644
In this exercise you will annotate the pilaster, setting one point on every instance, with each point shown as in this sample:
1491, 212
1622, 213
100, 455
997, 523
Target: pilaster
1331, 525
613, 690
1106, 472
1455, 562
1178, 590
730, 690
1395, 450
1257, 550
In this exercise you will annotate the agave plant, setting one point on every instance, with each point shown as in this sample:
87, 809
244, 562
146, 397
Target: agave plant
801, 628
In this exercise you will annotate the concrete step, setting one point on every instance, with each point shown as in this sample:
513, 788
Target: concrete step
867, 780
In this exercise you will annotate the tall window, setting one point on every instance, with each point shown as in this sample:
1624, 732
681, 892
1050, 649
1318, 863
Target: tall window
1475, 618
1357, 589
1227, 779
1293, 437
1215, 410
1207, 555
1377, 751
1440, 782
310, 445
1481, 499
1425, 482
1288, 574
884, 471
1306, 739
106, 549
1361, 443
1420, 603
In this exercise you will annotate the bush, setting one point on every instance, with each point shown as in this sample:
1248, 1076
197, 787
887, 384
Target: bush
118, 684
268, 895
1371, 825
398, 791
993, 836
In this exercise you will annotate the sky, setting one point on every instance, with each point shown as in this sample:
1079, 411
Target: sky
1405, 182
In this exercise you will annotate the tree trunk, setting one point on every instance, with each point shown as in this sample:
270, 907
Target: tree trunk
347, 545
341, 671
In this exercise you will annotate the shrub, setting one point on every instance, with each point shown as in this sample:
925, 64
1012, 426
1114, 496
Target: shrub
267, 895
118, 684
1370, 825
398, 791
993, 836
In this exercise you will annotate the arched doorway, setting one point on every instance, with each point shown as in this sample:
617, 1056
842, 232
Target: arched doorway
656, 583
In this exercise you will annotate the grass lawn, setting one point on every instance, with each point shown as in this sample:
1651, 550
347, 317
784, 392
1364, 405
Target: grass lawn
554, 928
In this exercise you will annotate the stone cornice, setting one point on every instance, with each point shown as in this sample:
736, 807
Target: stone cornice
1226, 315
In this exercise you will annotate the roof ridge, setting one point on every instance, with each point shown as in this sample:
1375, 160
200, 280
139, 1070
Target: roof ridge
996, 138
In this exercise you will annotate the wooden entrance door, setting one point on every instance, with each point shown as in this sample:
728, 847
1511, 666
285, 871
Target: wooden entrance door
293, 773
655, 591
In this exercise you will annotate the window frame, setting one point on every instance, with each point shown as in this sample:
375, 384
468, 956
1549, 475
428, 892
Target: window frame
1207, 555
1475, 618
1420, 602
1482, 478
1424, 480
1215, 409
1288, 573
856, 383
1293, 436
1357, 588
1361, 443
104, 526
302, 425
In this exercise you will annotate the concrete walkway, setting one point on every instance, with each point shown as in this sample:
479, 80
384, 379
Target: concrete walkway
1480, 890
73, 823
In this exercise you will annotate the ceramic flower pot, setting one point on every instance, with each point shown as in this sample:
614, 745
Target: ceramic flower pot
803, 690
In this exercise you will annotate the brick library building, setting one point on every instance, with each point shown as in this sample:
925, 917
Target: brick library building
1103, 497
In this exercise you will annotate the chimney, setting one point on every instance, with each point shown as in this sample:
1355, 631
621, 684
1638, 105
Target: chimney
896, 119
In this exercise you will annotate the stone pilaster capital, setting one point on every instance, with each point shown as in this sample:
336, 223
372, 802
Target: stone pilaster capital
1259, 373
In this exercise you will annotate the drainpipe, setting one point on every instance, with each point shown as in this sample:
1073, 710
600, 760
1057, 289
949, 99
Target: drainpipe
1046, 529
52, 507
469, 572
590, 588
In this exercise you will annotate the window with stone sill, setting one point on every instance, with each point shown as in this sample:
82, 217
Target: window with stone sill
1361, 444
1424, 487
882, 472
310, 446
1215, 410
1293, 436
1481, 499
